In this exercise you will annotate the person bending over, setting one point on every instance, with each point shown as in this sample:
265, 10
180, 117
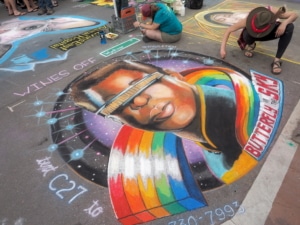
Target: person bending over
262, 24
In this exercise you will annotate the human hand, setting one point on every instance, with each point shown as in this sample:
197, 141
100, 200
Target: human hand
222, 53
136, 24
280, 30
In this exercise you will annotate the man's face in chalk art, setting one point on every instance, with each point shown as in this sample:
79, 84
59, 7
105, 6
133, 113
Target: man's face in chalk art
167, 104
228, 18
15, 29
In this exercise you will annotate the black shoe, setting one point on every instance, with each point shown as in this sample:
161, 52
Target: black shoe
146, 39
50, 11
42, 11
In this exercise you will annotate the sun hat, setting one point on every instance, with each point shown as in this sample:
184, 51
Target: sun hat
146, 11
261, 21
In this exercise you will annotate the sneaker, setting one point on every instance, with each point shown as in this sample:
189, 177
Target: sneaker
50, 11
146, 39
42, 11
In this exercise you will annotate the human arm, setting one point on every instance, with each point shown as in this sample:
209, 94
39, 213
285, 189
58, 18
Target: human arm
239, 25
286, 17
152, 26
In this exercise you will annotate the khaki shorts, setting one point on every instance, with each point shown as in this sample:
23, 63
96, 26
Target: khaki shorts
168, 38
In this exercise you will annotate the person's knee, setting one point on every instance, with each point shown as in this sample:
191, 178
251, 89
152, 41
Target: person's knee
290, 28
143, 31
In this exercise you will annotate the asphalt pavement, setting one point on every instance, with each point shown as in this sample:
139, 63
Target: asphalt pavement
40, 185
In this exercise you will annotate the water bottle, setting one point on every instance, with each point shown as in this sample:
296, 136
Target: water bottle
102, 37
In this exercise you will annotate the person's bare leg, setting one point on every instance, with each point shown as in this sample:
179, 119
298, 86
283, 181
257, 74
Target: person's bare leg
12, 7
31, 7
153, 34
26, 2
9, 7
32, 4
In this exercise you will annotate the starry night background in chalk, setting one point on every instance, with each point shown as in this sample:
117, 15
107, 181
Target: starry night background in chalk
83, 139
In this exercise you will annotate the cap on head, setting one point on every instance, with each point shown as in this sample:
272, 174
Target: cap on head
146, 11
260, 22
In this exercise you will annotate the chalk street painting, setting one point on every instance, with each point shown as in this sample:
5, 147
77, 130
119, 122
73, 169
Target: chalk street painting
18, 33
213, 22
164, 130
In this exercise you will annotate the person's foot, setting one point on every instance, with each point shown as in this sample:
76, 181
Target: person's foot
19, 13
249, 49
276, 67
50, 11
42, 11
146, 39
32, 10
